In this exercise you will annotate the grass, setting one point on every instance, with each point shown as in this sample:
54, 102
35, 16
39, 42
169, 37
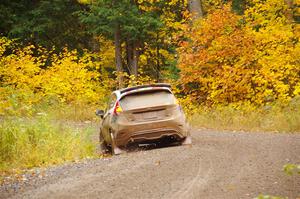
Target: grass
273, 118
68, 112
45, 133
41, 141
78, 112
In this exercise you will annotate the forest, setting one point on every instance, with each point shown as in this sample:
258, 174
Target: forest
233, 64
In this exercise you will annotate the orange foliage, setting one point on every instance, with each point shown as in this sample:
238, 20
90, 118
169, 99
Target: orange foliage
227, 60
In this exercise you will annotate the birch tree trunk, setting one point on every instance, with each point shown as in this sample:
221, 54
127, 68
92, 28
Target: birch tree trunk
195, 7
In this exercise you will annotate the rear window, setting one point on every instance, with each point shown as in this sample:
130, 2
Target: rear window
148, 99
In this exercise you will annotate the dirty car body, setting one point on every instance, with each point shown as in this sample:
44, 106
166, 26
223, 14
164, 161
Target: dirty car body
142, 114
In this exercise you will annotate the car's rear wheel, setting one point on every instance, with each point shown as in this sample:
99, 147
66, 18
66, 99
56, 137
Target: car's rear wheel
103, 145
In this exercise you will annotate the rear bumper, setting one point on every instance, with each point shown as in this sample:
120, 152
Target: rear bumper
154, 130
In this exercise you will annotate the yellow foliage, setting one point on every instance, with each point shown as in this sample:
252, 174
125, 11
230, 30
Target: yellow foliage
27, 79
211, 5
4, 43
20, 70
132, 80
73, 79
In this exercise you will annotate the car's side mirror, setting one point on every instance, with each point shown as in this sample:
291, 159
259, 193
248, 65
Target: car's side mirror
100, 113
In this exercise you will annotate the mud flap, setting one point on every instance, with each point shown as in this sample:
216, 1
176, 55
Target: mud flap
187, 140
114, 149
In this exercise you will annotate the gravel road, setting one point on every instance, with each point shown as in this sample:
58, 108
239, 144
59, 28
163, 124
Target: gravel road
217, 165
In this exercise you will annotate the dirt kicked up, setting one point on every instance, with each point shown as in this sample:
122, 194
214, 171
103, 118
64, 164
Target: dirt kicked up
217, 165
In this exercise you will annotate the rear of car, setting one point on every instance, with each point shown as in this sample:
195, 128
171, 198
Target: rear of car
147, 113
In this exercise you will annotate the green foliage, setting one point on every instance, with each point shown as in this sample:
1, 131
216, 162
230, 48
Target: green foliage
238, 6
43, 22
104, 15
11, 12
291, 169
269, 197
146, 26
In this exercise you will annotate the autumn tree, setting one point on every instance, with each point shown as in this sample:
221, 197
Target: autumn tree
233, 59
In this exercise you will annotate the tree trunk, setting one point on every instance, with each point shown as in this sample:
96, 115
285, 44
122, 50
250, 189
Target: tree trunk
290, 14
118, 54
129, 55
135, 58
94, 44
157, 57
195, 7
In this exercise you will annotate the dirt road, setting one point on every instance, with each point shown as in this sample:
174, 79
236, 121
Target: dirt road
217, 165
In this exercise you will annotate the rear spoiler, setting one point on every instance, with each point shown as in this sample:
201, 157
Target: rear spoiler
165, 85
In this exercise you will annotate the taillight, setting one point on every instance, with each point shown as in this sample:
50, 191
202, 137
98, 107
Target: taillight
118, 109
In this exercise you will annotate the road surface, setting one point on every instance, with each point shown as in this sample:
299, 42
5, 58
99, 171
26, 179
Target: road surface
217, 165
